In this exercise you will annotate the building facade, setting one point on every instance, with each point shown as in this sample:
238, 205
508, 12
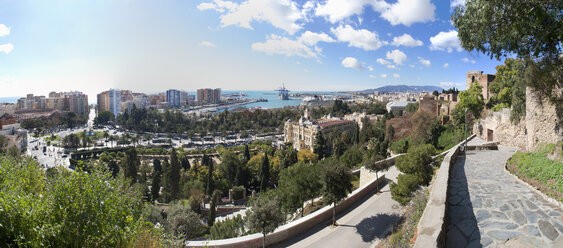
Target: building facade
73, 101
209, 96
302, 133
115, 102
174, 97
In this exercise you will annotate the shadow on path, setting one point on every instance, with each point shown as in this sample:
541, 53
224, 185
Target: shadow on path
462, 229
376, 226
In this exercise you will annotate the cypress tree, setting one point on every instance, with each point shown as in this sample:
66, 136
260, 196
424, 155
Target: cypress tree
174, 175
131, 165
246, 153
155, 186
210, 182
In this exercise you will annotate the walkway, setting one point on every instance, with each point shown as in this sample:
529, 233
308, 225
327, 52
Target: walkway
490, 208
363, 226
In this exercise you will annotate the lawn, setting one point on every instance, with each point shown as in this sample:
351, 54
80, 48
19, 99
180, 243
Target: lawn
538, 170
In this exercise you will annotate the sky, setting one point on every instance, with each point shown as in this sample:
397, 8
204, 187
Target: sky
152, 46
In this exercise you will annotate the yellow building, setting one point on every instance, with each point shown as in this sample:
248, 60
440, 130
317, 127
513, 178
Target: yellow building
302, 133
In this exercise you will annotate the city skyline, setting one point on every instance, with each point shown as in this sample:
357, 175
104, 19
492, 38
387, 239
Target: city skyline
235, 45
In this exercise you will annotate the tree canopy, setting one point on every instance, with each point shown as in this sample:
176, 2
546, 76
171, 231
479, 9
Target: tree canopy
530, 29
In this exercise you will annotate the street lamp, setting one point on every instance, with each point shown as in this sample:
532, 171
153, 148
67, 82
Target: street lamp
465, 150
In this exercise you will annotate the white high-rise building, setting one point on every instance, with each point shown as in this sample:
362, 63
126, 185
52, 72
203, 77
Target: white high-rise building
115, 102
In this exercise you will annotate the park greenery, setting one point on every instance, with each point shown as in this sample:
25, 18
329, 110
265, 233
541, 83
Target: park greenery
170, 121
57, 120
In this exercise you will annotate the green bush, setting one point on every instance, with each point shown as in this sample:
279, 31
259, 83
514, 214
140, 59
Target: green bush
402, 191
71, 209
401, 146
238, 192
229, 228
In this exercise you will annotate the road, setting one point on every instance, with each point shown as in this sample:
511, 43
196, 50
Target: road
362, 226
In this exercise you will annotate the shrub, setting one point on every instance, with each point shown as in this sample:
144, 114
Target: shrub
402, 191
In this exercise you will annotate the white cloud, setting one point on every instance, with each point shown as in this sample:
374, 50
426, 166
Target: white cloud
406, 40
384, 75
4, 30
446, 65
282, 14
405, 12
455, 3
445, 41
6, 48
424, 62
282, 45
396, 76
466, 60
370, 68
311, 38
350, 62
306, 70
337, 10
396, 56
412, 66
360, 38
372, 76
304, 46
383, 61
206, 44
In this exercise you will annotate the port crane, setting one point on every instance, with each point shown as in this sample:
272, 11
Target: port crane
283, 92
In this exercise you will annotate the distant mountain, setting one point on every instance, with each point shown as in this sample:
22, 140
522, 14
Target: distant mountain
403, 88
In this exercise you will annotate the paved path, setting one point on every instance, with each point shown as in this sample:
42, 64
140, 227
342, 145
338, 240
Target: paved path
362, 226
487, 207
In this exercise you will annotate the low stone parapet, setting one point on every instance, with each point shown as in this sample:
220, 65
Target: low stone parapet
432, 224
293, 228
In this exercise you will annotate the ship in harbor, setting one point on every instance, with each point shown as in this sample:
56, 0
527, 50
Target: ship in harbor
283, 92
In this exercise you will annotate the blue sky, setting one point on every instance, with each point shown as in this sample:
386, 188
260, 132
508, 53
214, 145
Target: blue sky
151, 46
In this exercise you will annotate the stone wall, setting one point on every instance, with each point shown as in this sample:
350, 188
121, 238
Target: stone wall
401, 125
543, 121
542, 124
498, 128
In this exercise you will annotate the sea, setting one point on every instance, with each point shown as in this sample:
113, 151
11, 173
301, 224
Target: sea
273, 98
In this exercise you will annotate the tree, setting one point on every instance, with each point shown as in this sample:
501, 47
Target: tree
246, 153
509, 89
374, 163
264, 174
529, 29
417, 161
104, 117
185, 163
472, 99
352, 157
411, 107
264, 216
155, 184
420, 132
173, 179
213, 207
210, 183
297, 184
157, 167
184, 222
307, 156
319, 147
130, 165
336, 180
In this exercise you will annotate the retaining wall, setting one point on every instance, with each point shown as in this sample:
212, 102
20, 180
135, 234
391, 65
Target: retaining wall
294, 228
432, 224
